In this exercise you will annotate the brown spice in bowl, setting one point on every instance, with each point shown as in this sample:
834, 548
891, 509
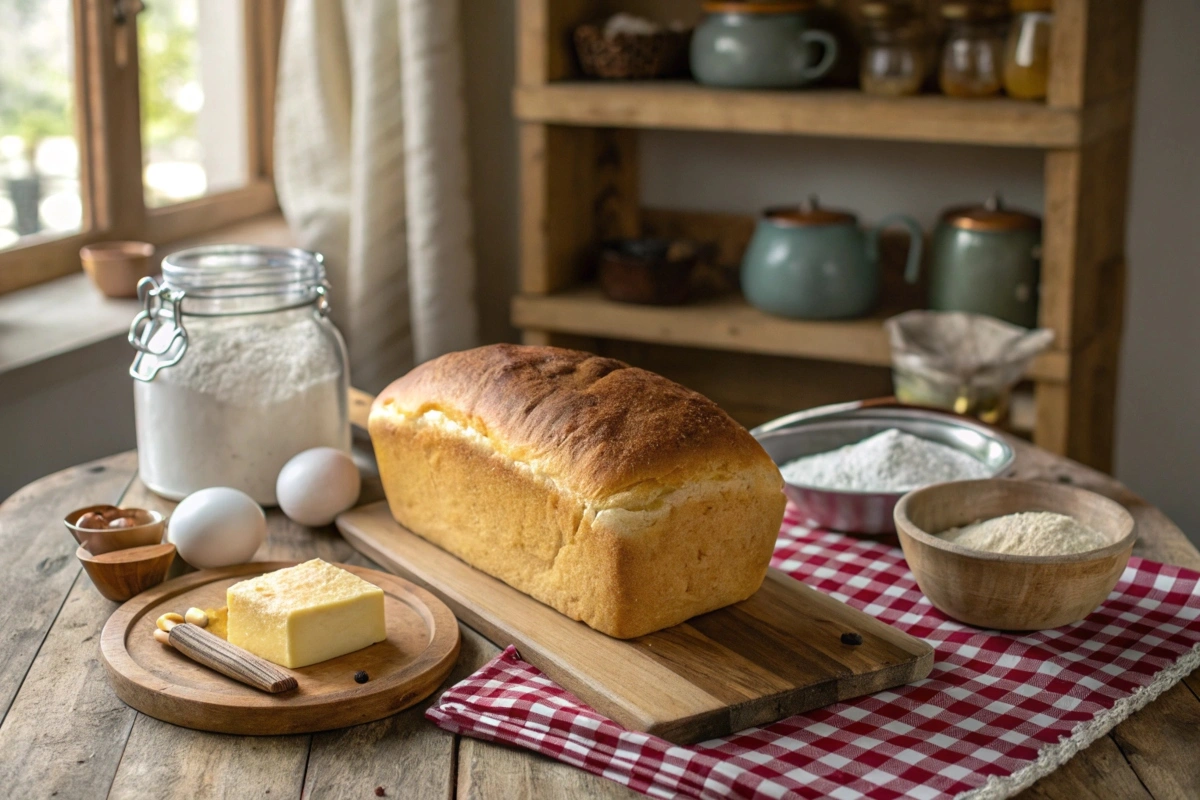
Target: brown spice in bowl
105, 528
106, 517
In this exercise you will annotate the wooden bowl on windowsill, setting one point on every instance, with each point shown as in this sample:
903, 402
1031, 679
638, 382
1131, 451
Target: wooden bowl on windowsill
1011, 592
116, 267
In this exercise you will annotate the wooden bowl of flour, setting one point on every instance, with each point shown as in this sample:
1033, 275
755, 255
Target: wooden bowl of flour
1003, 591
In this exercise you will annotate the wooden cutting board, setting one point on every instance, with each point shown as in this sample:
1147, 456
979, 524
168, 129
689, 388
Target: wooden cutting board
777, 654
420, 650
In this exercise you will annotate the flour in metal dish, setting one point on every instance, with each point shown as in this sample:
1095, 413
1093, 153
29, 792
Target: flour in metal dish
891, 461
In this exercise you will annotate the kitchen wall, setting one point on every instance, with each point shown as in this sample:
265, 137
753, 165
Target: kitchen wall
1158, 432
86, 406
1158, 437
65, 410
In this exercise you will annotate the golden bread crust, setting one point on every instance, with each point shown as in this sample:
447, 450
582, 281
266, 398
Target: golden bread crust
611, 494
597, 424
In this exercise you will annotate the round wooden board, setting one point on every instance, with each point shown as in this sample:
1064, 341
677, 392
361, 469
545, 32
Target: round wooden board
420, 650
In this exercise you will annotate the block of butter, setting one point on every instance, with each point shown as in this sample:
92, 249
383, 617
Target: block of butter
305, 614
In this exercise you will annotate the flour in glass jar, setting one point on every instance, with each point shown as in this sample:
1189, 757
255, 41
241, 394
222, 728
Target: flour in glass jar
891, 461
243, 400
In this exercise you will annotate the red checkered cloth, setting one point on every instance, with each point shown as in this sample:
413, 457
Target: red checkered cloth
998, 711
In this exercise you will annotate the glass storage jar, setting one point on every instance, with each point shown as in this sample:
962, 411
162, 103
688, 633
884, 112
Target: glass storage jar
1027, 52
973, 54
238, 369
894, 52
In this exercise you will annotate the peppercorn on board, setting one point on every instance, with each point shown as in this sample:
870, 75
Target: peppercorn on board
420, 650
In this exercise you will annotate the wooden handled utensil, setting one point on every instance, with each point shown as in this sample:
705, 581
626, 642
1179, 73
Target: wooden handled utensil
229, 659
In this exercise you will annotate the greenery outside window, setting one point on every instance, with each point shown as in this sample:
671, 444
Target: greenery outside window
128, 120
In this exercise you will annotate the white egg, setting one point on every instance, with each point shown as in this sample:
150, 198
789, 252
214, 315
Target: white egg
217, 527
317, 485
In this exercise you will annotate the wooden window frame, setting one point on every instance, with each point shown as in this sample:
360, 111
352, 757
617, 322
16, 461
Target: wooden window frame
108, 130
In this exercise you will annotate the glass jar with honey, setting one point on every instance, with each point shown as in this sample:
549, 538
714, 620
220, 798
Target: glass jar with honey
1027, 52
894, 52
973, 55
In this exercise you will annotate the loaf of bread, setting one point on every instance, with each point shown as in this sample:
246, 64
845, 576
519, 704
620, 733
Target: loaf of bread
610, 493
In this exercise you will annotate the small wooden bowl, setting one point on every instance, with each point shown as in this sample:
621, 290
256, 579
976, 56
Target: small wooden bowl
116, 267
106, 540
121, 574
1009, 592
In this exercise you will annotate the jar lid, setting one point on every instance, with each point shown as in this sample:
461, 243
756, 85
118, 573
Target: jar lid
972, 12
991, 216
220, 281
232, 270
760, 7
808, 214
883, 11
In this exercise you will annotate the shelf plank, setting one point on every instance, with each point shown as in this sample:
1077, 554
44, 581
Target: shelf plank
816, 112
726, 323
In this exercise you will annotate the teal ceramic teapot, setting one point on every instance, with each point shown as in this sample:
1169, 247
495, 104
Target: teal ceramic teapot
810, 262
760, 45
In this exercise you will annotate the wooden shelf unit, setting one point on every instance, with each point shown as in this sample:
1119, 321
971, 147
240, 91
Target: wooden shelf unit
842, 113
726, 323
579, 185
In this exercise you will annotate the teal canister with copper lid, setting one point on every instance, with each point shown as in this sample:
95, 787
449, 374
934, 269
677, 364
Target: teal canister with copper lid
986, 259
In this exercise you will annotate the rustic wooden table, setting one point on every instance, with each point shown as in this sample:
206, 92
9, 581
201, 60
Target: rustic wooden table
64, 734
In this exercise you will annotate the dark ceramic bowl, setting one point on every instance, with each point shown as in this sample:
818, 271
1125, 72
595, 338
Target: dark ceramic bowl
628, 56
647, 271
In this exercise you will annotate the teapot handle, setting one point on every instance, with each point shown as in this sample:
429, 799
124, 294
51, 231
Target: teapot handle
916, 243
829, 52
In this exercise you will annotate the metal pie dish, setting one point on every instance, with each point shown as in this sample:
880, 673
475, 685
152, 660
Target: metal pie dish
871, 512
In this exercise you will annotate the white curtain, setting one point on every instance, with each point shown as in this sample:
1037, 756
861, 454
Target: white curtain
371, 170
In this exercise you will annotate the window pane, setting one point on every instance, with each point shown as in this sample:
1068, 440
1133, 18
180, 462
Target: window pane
192, 55
39, 160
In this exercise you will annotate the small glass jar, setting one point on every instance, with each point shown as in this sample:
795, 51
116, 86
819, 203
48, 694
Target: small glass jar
1027, 52
894, 51
973, 54
237, 369
977, 398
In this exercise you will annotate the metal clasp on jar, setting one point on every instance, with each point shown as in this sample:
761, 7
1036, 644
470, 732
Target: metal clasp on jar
321, 293
159, 303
